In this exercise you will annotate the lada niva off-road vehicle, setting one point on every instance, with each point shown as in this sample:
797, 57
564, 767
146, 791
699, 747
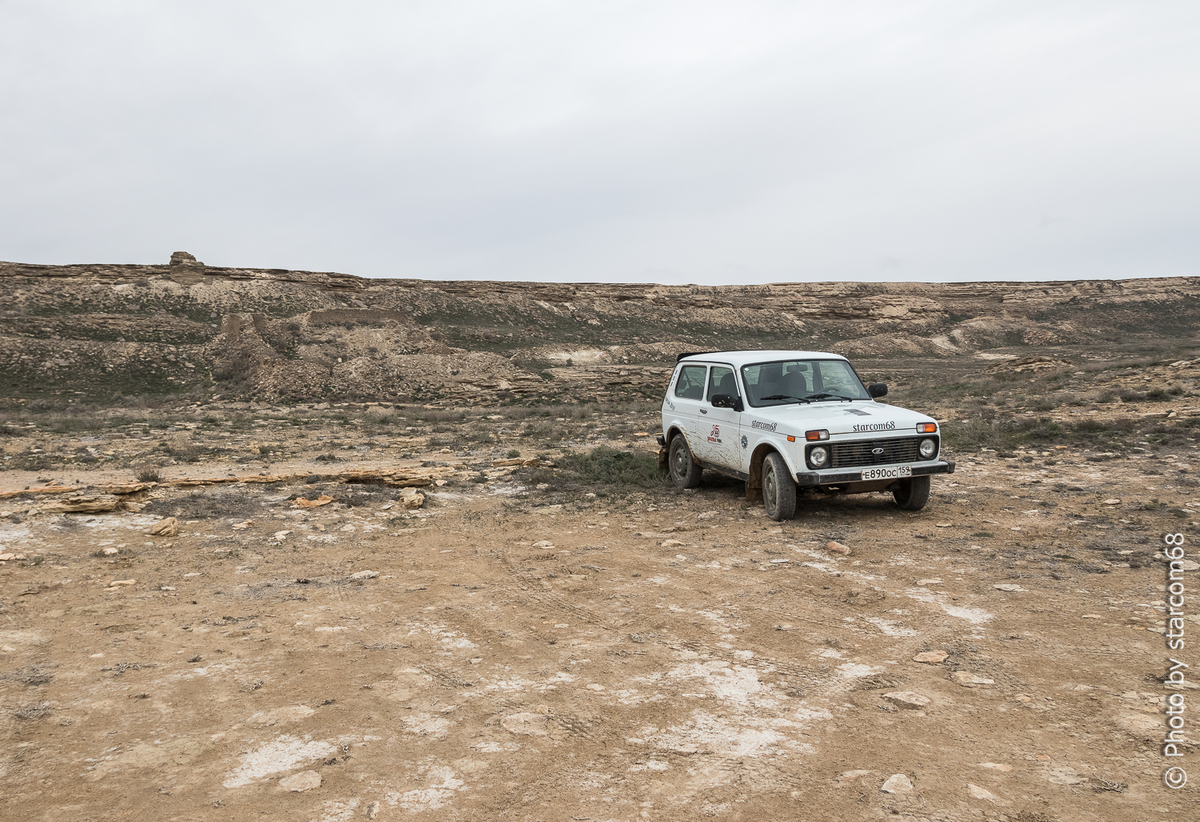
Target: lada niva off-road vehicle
785, 421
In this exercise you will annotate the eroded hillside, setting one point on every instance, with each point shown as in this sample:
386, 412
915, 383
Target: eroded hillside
201, 331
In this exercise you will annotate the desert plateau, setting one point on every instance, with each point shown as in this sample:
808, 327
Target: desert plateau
294, 545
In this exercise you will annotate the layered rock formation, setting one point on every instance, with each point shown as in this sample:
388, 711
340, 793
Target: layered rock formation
276, 334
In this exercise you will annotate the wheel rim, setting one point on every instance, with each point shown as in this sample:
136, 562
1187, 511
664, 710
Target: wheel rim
679, 463
770, 490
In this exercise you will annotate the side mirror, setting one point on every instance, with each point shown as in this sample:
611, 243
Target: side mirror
877, 389
727, 401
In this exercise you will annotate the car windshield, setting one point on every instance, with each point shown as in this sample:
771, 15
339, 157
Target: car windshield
790, 381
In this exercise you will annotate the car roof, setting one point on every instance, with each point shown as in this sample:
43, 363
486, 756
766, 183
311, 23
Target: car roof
740, 358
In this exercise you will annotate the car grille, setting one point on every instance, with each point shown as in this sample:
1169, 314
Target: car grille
854, 454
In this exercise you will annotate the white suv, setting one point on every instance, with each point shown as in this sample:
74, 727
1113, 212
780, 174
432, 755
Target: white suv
783, 420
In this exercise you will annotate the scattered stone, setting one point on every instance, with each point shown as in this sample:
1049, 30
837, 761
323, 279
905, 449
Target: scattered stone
1189, 565
929, 581
672, 543
526, 724
838, 548
347, 528
82, 504
111, 551
301, 502
852, 776
943, 524
243, 525
897, 783
981, 793
544, 543
117, 583
1010, 587
970, 680
6, 557
280, 536
1182, 686
411, 499
364, 575
300, 782
1113, 501
931, 656
168, 527
996, 766
907, 699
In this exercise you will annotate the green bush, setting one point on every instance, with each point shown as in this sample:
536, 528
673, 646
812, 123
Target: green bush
602, 468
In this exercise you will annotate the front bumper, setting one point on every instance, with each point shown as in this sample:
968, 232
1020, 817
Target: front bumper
811, 478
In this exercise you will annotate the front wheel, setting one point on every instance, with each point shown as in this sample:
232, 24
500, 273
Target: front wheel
778, 489
913, 493
685, 473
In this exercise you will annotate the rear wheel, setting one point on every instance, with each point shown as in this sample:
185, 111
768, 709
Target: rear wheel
913, 493
778, 489
685, 473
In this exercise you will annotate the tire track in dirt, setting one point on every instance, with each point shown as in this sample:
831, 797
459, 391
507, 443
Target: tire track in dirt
527, 588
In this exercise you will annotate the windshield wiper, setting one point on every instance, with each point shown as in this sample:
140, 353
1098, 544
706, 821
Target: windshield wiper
783, 397
828, 397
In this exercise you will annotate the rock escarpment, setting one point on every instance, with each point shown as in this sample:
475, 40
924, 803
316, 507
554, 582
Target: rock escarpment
278, 334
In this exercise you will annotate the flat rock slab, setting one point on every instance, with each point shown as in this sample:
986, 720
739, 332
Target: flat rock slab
970, 680
981, 793
300, 782
907, 699
931, 656
897, 783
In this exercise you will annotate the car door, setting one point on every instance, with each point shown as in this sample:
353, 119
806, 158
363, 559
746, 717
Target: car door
720, 429
685, 399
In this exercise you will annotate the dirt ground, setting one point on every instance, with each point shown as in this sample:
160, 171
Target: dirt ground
516, 653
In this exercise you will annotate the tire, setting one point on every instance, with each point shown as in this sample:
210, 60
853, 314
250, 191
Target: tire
913, 493
778, 489
685, 473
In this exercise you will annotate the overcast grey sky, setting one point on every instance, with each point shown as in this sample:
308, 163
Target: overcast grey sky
623, 141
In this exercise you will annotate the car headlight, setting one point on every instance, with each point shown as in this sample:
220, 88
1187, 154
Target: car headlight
817, 457
927, 448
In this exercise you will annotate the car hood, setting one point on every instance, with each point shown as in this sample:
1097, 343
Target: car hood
836, 416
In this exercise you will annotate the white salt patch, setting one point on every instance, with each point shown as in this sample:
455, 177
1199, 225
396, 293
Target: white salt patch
890, 628
283, 754
854, 670
431, 798
972, 615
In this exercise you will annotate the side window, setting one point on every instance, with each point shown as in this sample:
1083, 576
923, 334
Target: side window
690, 385
721, 381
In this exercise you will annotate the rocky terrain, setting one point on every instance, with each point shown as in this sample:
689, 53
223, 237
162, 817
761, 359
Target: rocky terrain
462, 591
190, 330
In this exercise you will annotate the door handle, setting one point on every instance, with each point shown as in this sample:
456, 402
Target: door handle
703, 410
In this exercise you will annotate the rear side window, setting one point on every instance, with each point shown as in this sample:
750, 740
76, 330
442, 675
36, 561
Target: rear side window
722, 382
690, 385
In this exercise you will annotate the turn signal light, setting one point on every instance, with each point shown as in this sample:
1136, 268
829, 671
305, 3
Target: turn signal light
927, 428
813, 436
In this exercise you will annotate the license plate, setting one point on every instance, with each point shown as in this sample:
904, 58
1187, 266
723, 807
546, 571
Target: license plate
891, 472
